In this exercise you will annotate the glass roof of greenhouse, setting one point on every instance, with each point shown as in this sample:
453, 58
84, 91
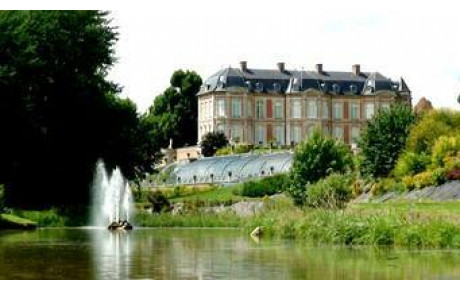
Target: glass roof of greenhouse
230, 168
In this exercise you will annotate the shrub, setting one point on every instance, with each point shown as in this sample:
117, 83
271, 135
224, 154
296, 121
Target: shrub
428, 178
224, 151
211, 142
410, 163
389, 185
159, 202
333, 191
408, 182
357, 188
266, 186
438, 176
314, 159
432, 125
384, 138
453, 174
423, 179
444, 149
242, 149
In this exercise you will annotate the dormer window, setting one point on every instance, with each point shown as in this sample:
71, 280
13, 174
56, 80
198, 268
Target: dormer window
336, 88
324, 87
353, 89
259, 87
249, 85
276, 87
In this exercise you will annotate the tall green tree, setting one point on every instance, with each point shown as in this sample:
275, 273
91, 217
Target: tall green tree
175, 111
384, 138
316, 158
58, 113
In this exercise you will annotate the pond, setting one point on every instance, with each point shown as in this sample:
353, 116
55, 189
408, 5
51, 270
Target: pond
88, 253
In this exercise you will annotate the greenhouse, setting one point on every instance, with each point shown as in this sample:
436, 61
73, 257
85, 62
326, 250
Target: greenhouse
232, 168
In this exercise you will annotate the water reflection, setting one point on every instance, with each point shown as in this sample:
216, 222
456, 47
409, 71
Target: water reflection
111, 254
205, 254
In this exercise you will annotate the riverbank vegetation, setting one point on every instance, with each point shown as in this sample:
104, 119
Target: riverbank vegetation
385, 224
10, 221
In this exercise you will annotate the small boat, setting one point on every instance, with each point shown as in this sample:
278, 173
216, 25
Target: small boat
121, 225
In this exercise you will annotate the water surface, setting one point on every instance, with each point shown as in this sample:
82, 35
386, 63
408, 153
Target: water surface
205, 254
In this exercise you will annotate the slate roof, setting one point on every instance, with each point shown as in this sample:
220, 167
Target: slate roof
262, 80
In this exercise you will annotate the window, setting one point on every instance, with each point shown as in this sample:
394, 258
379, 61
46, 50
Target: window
338, 110
338, 133
278, 109
202, 113
279, 134
326, 131
295, 134
354, 134
221, 108
260, 134
354, 110
236, 107
221, 128
369, 110
209, 110
249, 109
336, 88
295, 108
312, 109
260, 112
236, 133
325, 110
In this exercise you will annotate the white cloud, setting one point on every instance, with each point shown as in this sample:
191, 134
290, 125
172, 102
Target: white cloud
419, 42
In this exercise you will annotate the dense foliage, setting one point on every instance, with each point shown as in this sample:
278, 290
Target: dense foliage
445, 149
58, 113
174, 113
330, 192
264, 187
431, 126
384, 138
159, 202
316, 158
211, 142
432, 154
410, 163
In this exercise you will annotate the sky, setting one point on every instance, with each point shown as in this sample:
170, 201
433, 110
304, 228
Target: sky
419, 42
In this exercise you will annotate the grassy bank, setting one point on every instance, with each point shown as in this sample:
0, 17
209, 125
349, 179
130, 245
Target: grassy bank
10, 221
53, 217
366, 224
420, 224
188, 220
354, 228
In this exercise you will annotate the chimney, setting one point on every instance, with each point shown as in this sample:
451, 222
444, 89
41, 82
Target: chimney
319, 68
244, 66
280, 67
356, 70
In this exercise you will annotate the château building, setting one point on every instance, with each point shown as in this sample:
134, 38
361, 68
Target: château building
281, 106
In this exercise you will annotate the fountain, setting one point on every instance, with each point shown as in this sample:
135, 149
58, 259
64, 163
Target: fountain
112, 199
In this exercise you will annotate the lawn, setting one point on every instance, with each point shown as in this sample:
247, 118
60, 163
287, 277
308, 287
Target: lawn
218, 195
10, 221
